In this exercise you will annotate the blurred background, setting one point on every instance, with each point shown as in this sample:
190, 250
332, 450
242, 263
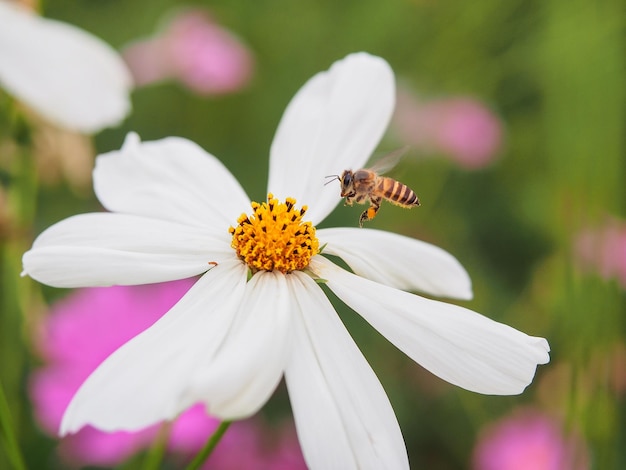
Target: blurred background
515, 116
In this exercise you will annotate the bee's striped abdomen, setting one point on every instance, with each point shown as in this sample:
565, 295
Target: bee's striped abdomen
396, 192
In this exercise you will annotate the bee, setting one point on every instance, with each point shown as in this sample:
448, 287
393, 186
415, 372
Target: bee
367, 184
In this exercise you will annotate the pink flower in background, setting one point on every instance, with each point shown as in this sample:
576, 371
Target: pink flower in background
79, 333
461, 128
528, 439
85, 328
246, 449
603, 250
248, 444
194, 50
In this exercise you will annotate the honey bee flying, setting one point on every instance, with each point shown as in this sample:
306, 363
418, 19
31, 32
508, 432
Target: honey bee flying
367, 184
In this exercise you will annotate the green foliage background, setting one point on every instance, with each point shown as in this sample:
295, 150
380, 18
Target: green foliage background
555, 72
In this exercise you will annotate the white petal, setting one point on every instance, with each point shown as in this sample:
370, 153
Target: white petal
67, 75
333, 123
454, 343
398, 261
104, 249
171, 179
343, 416
250, 363
147, 380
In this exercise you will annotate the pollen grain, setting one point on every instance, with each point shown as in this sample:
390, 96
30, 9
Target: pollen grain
274, 237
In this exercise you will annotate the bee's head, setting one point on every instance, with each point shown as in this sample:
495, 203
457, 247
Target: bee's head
346, 180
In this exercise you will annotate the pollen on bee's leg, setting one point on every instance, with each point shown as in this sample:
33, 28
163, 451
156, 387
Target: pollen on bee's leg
362, 218
368, 214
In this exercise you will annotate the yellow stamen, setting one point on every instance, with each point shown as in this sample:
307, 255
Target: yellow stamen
274, 237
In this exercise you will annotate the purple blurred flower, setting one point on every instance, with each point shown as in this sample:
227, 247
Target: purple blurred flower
603, 250
462, 128
195, 50
528, 439
85, 328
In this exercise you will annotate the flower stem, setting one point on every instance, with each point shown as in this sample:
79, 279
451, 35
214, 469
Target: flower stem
209, 446
18, 198
8, 436
155, 454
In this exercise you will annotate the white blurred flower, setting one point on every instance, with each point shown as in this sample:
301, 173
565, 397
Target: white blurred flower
63, 73
175, 213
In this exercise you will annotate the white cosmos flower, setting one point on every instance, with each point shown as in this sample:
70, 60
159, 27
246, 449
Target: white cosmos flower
64, 73
229, 341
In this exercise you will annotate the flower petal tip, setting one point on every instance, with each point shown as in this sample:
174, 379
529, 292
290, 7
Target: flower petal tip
465, 293
65, 428
364, 58
544, 347
540, 352
132, 140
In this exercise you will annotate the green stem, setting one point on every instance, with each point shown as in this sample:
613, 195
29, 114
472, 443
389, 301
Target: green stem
20, 191
205, 453
155, 454
9, 440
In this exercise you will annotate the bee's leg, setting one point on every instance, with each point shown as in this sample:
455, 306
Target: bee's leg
349, 199
371, 211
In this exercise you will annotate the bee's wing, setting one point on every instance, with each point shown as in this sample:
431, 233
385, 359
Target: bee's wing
387, 162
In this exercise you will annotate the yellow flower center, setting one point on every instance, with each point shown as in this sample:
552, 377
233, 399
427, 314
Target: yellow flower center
274, 237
